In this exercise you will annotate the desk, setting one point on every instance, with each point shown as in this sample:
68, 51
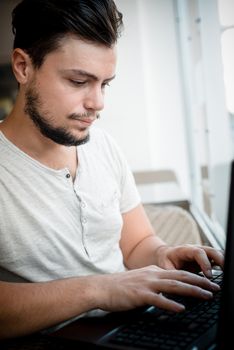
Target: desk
33, 342
40, 342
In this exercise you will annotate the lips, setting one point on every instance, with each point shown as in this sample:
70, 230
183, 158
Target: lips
84, 122
87, 121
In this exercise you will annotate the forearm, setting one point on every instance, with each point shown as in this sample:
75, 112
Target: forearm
30, 307
26, 308
145, 253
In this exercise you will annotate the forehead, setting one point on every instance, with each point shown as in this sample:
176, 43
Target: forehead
74, 53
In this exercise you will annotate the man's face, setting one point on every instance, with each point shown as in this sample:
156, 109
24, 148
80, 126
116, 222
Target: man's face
66, 93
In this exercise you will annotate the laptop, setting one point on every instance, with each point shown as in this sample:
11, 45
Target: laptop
204, 325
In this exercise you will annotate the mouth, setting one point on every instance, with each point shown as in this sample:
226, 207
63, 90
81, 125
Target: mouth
84, 122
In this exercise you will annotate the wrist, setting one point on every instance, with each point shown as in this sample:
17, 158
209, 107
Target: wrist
97, 286
160, 254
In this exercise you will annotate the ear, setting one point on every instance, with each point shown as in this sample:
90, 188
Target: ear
21, 65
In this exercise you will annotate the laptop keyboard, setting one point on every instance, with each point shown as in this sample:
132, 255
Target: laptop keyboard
166, 330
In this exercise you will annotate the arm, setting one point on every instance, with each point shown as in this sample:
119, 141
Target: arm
30, 307
138, 239
142, 247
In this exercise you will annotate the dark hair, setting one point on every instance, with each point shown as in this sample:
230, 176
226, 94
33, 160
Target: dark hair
39, 25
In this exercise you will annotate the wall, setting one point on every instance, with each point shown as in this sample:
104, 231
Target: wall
6, 36
143, 107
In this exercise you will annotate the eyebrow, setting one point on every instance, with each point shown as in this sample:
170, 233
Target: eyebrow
85, 74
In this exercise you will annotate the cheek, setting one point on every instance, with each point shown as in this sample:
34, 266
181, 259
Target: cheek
59, 98
60, 102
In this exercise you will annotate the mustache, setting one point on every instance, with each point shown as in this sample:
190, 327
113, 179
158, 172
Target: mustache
80, 116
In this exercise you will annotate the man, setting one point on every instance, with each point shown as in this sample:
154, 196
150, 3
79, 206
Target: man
71, 222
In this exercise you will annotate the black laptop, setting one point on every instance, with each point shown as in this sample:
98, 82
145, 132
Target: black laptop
204, 325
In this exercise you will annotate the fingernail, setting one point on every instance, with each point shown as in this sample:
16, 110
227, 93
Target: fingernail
180, 307
208, 273
206, 294
215, 287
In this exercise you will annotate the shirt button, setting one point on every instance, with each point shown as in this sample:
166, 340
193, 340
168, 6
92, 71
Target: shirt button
68, 176
84, 220
83, 205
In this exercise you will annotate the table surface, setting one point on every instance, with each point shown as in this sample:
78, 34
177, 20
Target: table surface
41, 342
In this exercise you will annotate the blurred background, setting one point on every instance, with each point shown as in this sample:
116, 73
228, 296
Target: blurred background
171, 106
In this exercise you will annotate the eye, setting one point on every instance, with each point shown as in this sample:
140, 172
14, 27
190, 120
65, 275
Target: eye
105, 84
77, 82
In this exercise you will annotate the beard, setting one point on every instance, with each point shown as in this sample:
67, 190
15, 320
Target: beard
60, 135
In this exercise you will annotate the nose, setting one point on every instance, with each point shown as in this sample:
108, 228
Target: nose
94, 100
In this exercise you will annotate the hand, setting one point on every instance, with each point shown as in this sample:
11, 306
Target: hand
142, 287
189, 257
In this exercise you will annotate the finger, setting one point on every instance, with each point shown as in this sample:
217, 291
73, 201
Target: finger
206, 257
181, 288
162, 302
200, 256
189, 278
216, 255
169, 265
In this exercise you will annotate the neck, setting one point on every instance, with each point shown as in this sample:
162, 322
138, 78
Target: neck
19, 129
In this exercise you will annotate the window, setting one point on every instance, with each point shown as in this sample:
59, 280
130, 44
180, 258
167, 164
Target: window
206, 56
226, 15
